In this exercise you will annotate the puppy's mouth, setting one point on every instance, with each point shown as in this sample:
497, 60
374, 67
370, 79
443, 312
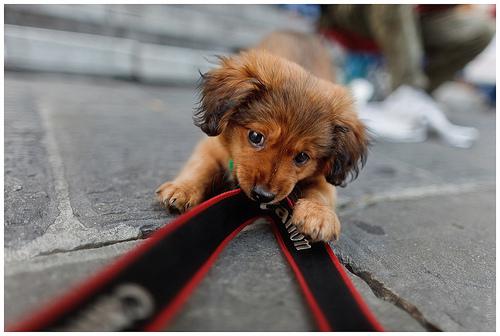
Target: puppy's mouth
269, 205
276, 201
259, 193
263, 197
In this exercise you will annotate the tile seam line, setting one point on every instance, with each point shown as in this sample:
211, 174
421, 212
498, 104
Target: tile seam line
65, 219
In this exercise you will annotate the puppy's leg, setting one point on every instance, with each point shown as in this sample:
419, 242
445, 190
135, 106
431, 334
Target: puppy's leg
314, 213
192, 184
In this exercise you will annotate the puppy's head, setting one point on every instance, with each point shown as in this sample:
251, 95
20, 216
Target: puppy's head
280, 124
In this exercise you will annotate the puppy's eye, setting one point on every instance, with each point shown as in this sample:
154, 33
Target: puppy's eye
256, 138
301, 158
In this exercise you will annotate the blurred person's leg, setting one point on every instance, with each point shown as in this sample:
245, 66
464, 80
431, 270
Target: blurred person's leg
452, 38
396, 30
346, 17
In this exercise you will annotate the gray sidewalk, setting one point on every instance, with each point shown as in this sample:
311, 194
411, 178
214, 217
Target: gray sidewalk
83, 157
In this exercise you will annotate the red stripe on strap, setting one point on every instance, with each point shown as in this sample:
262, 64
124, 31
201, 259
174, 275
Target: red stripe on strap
354, 292
48, 314
321, 320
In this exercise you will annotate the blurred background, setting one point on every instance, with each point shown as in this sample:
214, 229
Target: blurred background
375, 49
154, 43
169, 43
98, 113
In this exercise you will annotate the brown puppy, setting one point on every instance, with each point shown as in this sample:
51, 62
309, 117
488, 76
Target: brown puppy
286, 130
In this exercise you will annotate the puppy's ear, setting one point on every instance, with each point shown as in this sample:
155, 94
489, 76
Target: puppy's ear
350, 147
224, 90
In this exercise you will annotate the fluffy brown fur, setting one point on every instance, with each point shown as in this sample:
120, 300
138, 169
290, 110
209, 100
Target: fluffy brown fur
295, 111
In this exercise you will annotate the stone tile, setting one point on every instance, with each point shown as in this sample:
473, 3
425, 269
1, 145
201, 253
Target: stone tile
434, 255
250, 288
30, 205
391, 317
117, 150
31, 284
116, 143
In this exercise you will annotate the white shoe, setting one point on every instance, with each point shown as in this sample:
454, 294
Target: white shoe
407, 115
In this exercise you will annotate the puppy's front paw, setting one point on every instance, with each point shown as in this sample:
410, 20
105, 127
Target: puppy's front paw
178, 196
315, 220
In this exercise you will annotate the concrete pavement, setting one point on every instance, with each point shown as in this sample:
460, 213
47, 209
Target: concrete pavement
83, 157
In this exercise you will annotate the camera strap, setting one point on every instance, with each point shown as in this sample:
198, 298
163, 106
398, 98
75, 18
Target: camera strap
145, 288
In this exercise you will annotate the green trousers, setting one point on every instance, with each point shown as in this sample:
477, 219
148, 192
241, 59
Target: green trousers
421, 49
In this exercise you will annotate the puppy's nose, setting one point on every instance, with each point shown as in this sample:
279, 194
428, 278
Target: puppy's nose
262, 195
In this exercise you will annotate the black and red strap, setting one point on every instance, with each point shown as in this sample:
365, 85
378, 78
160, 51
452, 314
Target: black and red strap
146, 287
333, 299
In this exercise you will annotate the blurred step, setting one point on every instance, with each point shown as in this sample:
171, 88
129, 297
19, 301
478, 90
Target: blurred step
47, 50
220, 27
38, 49
154, 43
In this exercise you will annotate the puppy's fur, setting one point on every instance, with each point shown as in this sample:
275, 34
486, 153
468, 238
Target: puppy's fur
281, 89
